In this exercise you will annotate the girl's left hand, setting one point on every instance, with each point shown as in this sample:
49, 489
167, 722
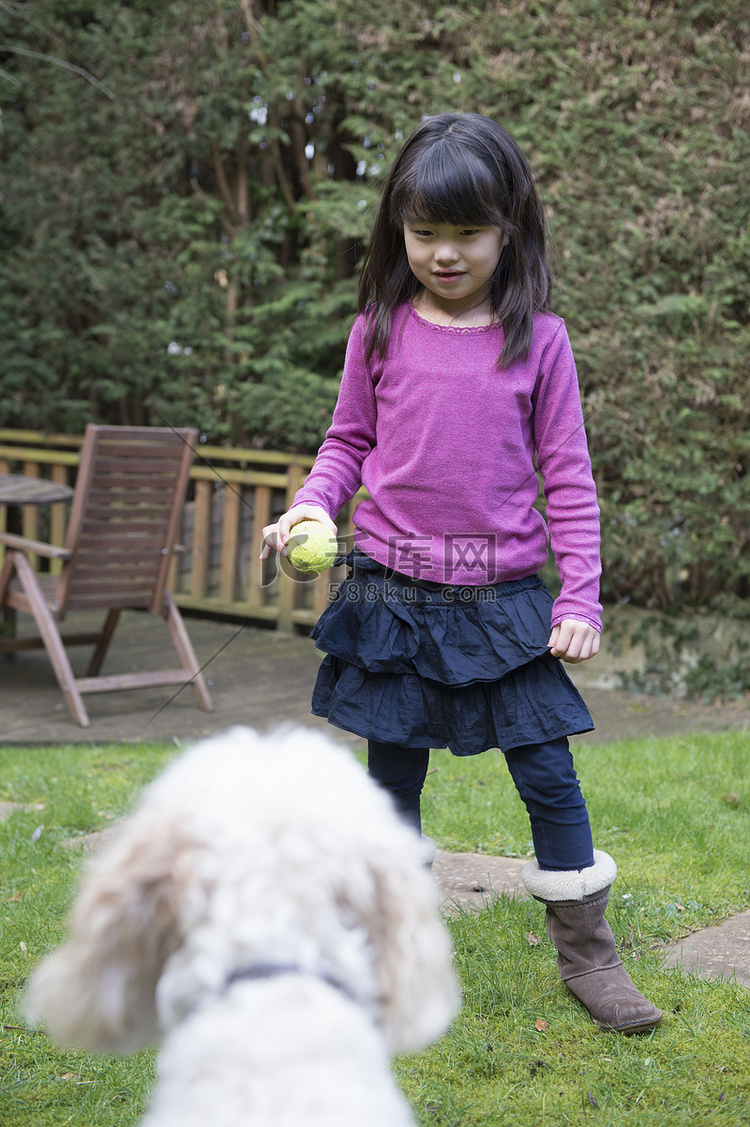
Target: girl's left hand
574, 641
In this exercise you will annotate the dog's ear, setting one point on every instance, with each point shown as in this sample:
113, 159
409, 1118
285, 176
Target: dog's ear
413, 952
98, 990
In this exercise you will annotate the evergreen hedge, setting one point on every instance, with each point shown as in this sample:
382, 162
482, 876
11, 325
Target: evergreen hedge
186, 187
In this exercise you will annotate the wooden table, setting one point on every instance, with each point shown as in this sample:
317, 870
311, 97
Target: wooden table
17, 489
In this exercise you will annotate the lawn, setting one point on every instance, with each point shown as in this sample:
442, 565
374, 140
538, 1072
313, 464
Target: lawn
674, 814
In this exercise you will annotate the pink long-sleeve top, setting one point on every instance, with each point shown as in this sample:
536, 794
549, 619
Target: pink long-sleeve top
448, 445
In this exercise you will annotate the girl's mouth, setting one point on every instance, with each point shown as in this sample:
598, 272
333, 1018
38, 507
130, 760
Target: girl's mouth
446, 275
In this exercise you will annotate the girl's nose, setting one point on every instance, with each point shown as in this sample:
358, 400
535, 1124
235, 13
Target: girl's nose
446, 253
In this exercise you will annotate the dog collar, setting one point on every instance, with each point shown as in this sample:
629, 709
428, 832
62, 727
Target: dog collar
258, 971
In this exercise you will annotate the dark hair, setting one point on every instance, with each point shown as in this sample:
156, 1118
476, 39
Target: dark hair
459, 169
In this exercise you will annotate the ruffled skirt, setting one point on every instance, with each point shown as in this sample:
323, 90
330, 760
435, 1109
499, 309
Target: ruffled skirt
422, 664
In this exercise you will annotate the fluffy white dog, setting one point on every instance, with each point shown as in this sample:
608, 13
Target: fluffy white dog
266, 915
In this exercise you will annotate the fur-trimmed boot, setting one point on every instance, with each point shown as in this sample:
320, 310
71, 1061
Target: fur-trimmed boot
587, 956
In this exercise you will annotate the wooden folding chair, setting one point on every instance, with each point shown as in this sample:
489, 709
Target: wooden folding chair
124, 520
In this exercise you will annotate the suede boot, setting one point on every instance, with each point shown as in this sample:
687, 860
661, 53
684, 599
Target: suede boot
588, 961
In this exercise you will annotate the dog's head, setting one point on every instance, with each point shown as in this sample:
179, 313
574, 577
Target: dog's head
248, 849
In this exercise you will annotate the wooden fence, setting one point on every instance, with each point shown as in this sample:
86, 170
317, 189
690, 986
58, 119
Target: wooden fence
233, 494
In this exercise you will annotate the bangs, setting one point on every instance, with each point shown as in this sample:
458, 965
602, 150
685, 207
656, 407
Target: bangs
447, 185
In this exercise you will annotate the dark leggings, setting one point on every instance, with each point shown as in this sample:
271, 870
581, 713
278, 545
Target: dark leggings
545, 779
401, 771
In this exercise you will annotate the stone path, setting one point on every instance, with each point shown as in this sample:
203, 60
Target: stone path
262, 677
716, 952
469, 880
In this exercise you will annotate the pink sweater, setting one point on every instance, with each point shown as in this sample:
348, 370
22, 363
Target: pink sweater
446, 444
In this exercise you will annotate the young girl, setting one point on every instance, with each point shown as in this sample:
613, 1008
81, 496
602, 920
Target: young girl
457, 388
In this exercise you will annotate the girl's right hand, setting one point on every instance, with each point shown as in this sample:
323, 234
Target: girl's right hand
277, 535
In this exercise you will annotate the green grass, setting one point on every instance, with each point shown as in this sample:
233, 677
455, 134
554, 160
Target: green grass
81, 789
673, 812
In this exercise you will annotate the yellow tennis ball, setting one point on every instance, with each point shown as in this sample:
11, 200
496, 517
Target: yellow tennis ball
311, 547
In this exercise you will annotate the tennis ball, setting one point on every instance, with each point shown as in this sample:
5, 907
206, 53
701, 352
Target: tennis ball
311, 547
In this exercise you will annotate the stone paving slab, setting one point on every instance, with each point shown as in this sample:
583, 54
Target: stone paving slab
470, 880
715, 952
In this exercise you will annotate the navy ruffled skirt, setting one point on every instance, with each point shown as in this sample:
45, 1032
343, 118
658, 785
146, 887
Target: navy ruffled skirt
423, 664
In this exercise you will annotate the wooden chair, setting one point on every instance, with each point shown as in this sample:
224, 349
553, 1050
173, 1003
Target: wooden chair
124, 519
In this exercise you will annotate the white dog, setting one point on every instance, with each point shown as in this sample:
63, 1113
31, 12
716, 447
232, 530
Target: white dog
266, 914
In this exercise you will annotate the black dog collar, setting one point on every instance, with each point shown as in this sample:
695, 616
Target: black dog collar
259, 971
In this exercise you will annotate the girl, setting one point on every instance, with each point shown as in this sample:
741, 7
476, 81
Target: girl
457, 387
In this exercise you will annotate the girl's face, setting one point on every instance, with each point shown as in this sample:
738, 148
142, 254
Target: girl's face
454, 264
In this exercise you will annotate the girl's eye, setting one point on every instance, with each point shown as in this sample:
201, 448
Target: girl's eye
468, 231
